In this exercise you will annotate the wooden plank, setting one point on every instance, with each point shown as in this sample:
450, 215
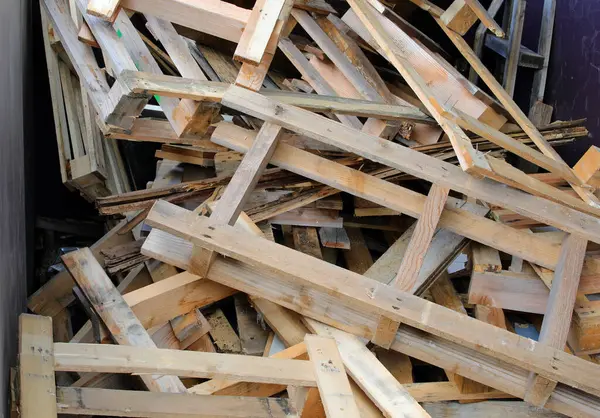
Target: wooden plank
114, 311
557, 319
219, 18
57, 293
409, 161
348, 68
273, 259
246, 176
107, 38
485, 259
413, 259
511, 64
421, 239
370, 375
434, 350
447, 391
334, 54
500, 236
108, 358
258, 31
445, 246
37, 391
126, 403
332, 381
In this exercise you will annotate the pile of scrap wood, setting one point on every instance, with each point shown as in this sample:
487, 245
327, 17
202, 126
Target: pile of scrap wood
274, 267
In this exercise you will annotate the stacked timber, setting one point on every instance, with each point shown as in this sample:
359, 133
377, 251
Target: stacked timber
338, 224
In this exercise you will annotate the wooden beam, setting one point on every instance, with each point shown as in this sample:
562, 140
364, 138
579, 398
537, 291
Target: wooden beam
127, 403
332, 381
107, 358
379, 300
454, 218
110, 306
413, 259
37, 387
434, 350
557, 319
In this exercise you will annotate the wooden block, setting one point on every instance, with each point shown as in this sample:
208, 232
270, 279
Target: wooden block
36, 367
